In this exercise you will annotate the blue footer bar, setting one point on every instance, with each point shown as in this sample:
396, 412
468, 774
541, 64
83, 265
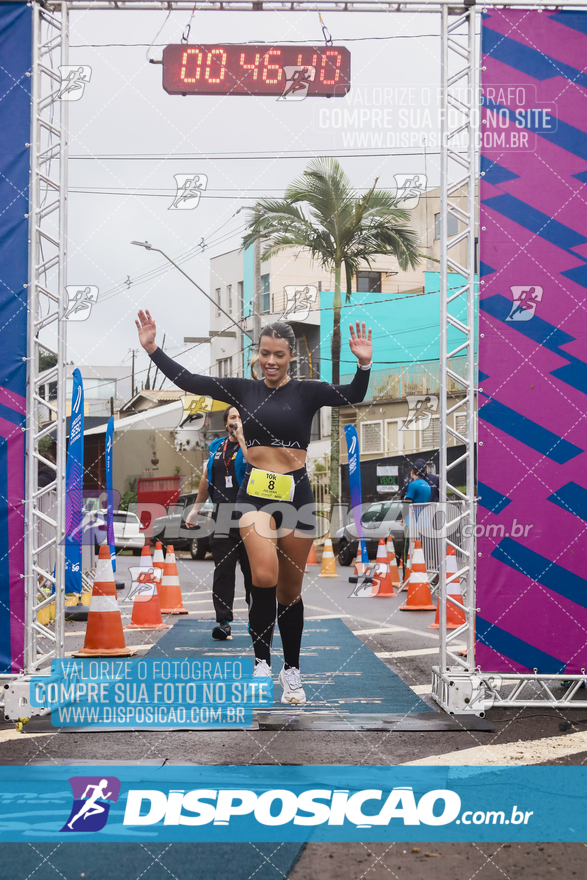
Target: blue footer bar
317, 803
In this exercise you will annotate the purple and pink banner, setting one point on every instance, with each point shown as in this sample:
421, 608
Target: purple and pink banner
15, 136
74, 480
109, 491
532, 518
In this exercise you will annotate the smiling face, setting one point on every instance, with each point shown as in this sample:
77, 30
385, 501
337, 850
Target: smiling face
274, 359
233, 418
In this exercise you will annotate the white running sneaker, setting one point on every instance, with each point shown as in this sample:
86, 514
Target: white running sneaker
262, 669
290, 681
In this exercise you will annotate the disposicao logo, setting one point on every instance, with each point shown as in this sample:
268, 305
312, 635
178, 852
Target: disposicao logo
280, 806
90, 802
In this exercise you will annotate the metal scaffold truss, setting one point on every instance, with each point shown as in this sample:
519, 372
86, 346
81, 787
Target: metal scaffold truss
458, 176
458, 686
45, 507
303, 5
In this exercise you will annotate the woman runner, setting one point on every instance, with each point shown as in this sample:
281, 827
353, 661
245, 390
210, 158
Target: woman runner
279, 524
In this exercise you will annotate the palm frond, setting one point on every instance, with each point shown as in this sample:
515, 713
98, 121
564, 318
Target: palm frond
323, 213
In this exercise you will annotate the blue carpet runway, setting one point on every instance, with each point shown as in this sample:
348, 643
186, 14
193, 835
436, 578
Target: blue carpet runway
339, 673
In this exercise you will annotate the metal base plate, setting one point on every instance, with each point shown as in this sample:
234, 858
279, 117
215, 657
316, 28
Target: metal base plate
422, 722
43, 725
417, 721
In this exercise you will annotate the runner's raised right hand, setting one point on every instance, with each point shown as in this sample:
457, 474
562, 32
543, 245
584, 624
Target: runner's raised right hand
147, 330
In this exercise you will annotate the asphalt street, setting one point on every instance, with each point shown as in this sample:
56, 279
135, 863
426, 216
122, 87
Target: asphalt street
404, 642
401, 639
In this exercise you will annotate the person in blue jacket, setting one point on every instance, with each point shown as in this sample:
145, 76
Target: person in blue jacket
224, 474
417, 491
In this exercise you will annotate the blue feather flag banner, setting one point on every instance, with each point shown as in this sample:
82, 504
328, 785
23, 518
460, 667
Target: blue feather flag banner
74, 474
109, 496
352, 442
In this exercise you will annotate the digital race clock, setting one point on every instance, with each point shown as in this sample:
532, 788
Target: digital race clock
255, 70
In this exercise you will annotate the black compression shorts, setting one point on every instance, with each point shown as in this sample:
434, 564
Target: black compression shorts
298, 514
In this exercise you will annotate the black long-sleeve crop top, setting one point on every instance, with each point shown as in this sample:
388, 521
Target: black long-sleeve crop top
270, 416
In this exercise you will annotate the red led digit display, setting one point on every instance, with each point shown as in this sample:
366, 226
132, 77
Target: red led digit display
253, 70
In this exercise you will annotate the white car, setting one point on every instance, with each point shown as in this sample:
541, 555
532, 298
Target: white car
127, 531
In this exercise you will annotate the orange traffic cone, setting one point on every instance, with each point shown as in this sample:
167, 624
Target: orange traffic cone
312, 560
328, 568
146, 560
392, 562
158, 562
455, 617
381, 579
146, 611
104, 634
170, 590
419, 596
407, 573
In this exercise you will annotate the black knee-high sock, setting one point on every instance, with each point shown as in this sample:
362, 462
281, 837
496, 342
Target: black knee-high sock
262, 610
291, 625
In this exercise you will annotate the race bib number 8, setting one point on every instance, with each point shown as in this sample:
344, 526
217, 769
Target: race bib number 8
276, 487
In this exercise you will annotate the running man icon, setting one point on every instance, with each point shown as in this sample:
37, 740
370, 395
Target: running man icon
525, 300
91, 794
79, 302
189, 189
421, 408
91, 808
297, 82
73, 82
409, 189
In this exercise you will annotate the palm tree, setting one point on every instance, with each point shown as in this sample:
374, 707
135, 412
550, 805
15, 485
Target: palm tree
342, 230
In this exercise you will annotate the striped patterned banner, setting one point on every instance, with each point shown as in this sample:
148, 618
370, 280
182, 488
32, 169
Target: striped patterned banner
532, 575
15, 135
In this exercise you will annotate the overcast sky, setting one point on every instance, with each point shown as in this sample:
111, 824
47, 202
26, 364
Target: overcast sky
125, 111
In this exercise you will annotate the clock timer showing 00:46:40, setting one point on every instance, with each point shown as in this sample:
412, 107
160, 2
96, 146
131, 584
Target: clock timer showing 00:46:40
253, 70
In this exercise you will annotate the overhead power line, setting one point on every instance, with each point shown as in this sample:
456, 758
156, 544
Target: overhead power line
252, 156
255, 42
162, 268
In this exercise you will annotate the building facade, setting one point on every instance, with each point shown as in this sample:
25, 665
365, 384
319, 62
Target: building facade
403, 309
105, 390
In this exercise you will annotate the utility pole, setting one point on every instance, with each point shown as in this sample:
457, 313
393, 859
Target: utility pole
157, 370
133, 374
150, 247
428, 245
257, 288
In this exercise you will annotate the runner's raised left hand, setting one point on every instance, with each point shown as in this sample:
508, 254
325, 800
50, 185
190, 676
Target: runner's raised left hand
360, 343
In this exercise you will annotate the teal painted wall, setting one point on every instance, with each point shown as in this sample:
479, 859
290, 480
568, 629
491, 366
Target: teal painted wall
405, 328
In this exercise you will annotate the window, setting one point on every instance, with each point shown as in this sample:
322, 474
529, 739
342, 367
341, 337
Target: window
224, 367
368, 282
411, 441
315, 429
265, 295
229, 292
241, 298
392, 512
461, 426
431, 435
452, 225
392, 438
374, 513
218, 300
371, 436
